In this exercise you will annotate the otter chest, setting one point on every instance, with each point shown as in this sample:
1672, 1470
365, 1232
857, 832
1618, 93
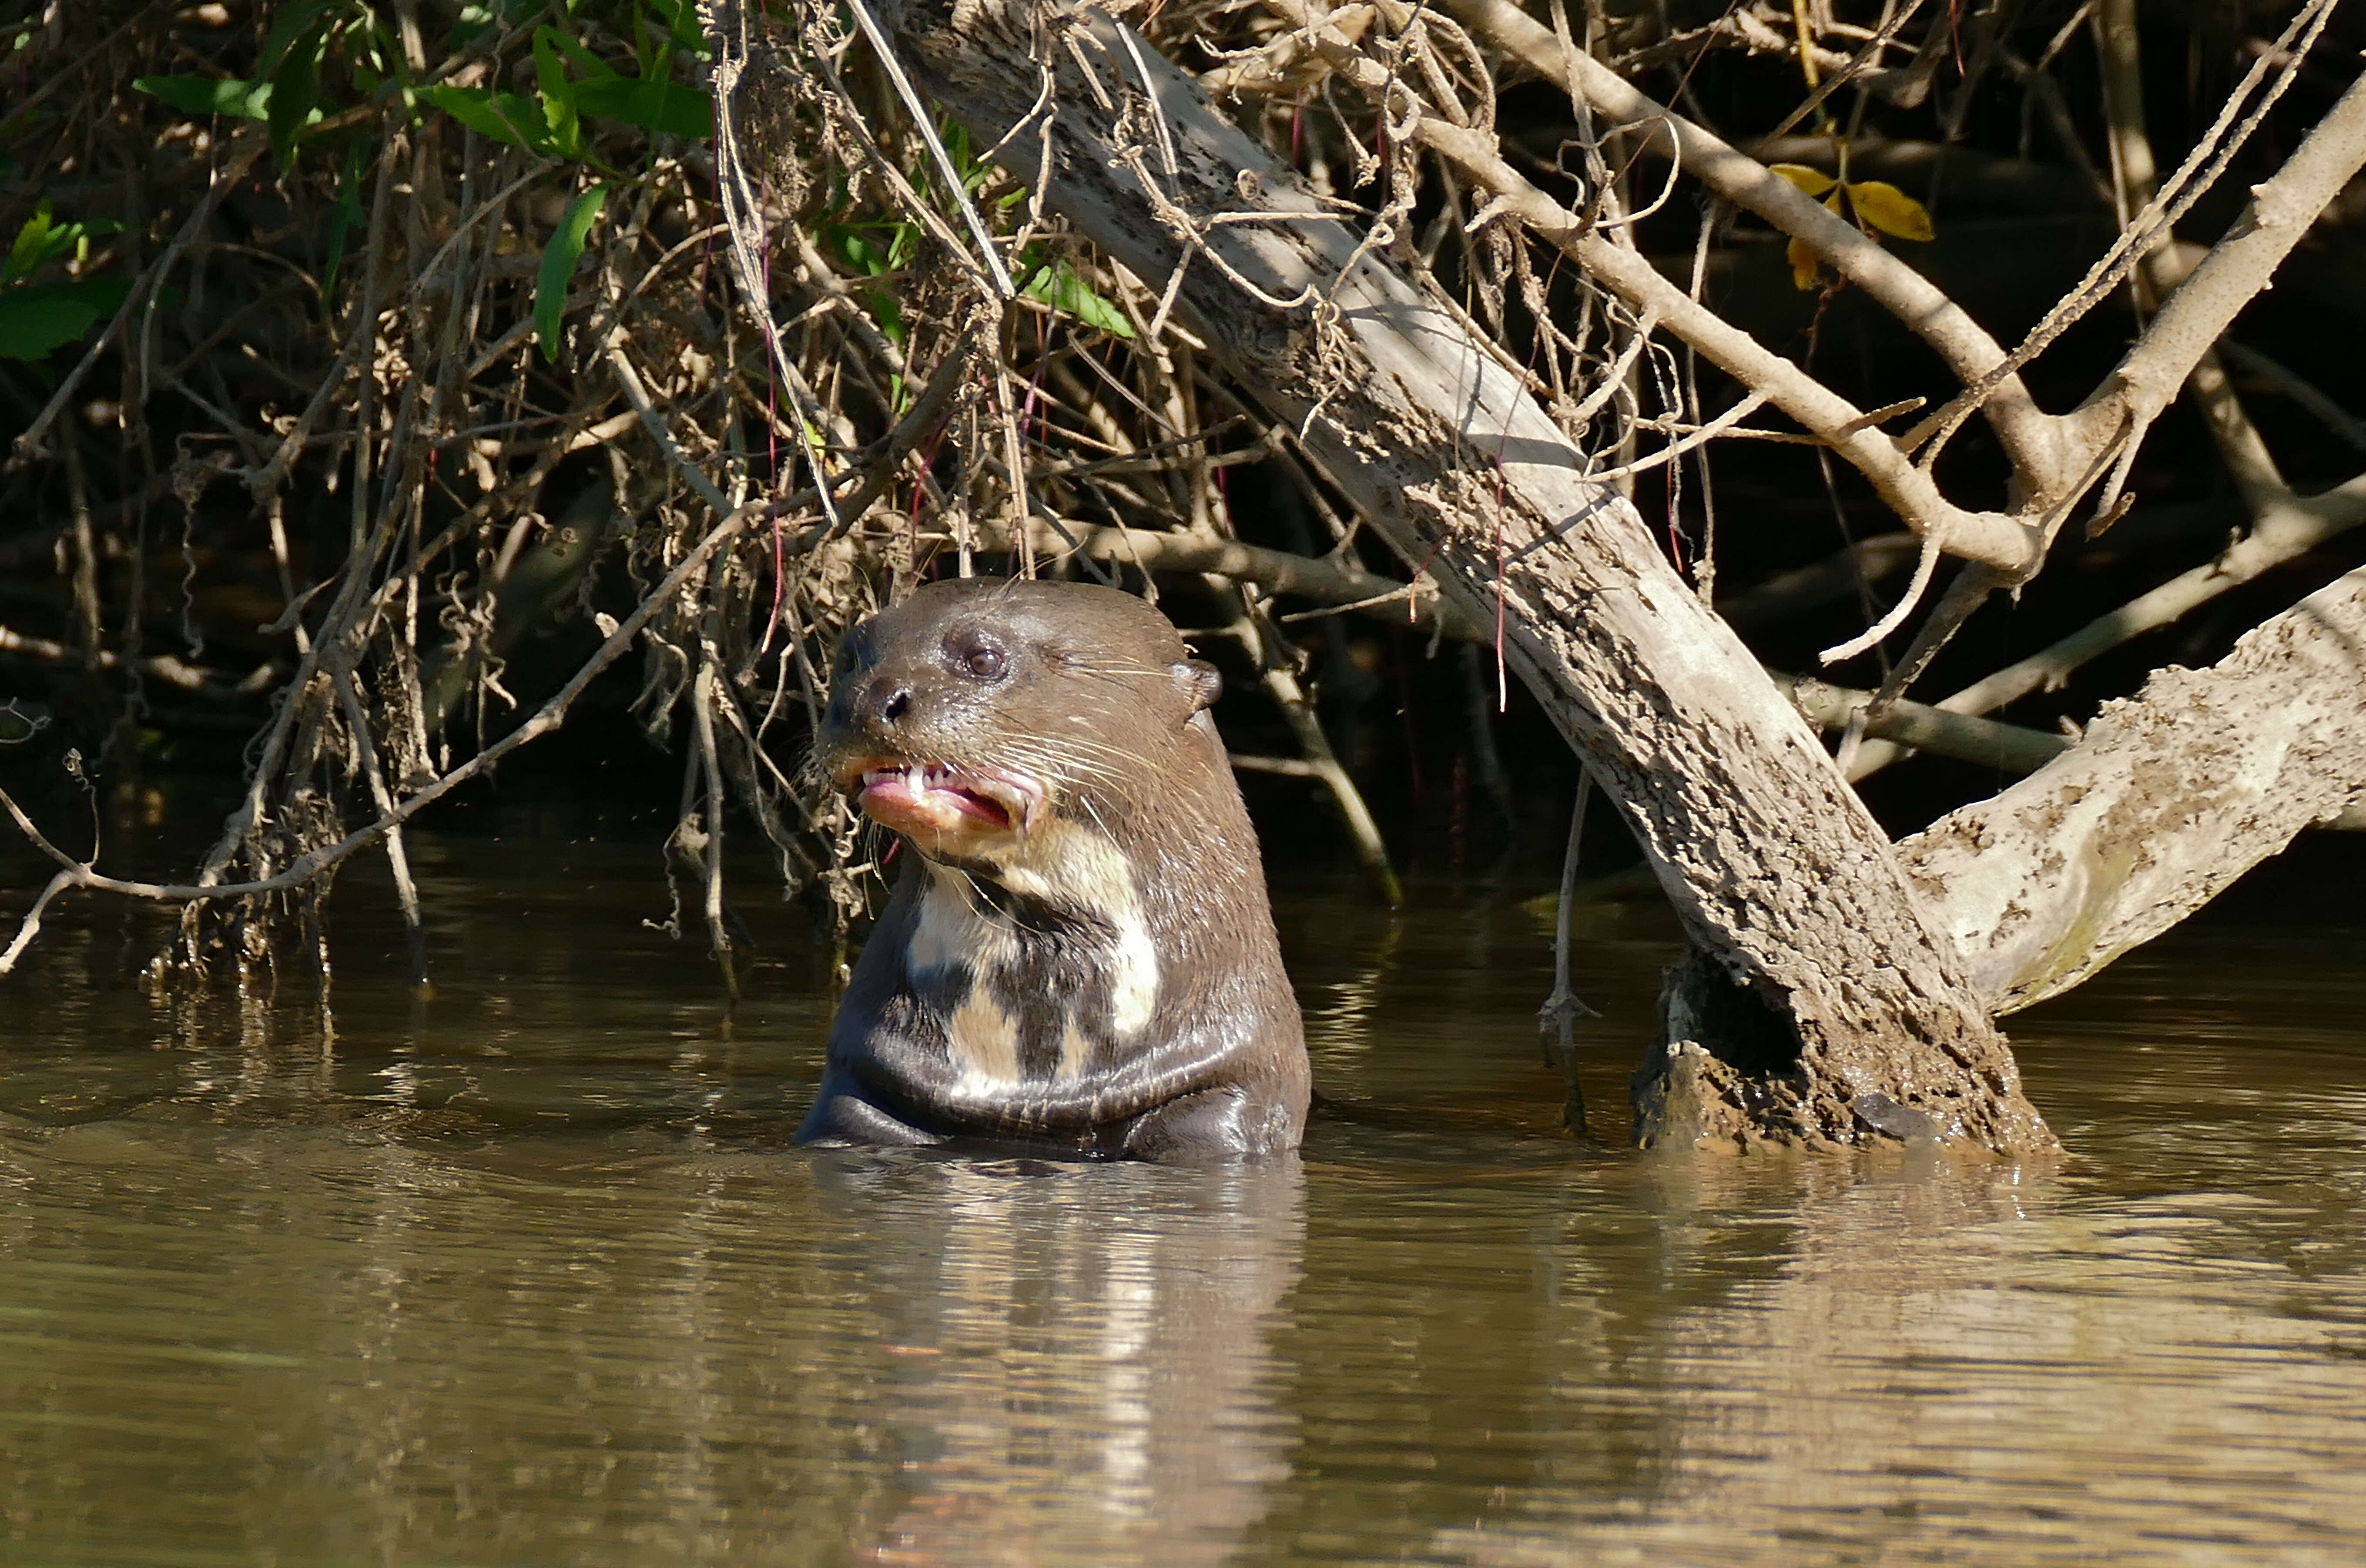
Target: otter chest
1036, 973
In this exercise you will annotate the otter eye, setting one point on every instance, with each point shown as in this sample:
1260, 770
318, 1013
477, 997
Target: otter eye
976, 653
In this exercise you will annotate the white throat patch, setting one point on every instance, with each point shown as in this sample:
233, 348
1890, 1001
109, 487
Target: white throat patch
1075, 869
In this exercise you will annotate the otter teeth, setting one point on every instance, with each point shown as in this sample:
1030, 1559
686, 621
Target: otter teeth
915, 777
1014, 799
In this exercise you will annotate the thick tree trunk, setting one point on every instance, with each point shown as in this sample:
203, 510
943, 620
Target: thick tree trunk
2171, 795
1820, 1006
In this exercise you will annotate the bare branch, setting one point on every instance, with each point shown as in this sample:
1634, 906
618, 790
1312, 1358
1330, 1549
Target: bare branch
2280, 210
2285, 531
1733, 175
1989, 537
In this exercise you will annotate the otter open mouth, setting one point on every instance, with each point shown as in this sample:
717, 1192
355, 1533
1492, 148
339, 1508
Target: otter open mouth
929, 798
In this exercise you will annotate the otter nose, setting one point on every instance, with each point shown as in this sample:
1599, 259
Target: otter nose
890, 699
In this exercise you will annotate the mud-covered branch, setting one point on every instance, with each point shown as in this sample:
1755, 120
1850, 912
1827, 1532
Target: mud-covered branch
1419, 606
2171, 795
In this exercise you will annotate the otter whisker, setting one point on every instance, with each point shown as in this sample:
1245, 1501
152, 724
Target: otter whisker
1081, 755
1080, 763
1071, 772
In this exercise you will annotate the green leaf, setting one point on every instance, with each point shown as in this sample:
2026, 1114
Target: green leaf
42, 317
859, 253
974, 170
36, 242
42, 240
596, 67
558, 94
682, 20
666, 107
205, 94
1059, 286
287, 29
504, 117
349, 216
295, 90
889, 315
558, 259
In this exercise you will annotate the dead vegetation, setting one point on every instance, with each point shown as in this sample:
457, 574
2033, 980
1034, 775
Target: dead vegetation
348, 392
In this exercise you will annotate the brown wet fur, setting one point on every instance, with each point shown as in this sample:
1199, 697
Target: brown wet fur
1099, 700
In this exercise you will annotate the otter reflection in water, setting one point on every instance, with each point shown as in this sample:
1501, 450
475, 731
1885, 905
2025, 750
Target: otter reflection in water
1054, 1366
1079, 957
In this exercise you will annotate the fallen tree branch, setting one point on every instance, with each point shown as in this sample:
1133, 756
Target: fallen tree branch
1349, 587
2172, 795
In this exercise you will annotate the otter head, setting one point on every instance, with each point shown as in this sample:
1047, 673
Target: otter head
975, 714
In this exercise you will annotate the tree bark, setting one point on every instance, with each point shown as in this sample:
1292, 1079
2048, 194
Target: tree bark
2171, 795
1821, 1006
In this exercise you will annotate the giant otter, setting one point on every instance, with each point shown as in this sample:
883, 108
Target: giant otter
1079, 957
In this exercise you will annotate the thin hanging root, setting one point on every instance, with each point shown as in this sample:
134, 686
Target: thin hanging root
1557, 1020
397, 861
703, 697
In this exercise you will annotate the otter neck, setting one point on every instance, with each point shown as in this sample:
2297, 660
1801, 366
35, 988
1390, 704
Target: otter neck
1071, 892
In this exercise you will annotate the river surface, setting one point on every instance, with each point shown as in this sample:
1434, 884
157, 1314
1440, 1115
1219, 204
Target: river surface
524, 1272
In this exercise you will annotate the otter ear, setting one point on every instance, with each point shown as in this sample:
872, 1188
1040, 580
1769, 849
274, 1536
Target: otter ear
1199, 682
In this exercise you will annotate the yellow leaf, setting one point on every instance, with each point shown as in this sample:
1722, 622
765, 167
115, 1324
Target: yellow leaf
1815, 182
1889, 209
1798, 252
1803, 264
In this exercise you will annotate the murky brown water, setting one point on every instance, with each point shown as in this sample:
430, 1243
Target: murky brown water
523, 1274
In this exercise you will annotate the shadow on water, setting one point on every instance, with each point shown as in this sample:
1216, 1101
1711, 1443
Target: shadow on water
523, 1273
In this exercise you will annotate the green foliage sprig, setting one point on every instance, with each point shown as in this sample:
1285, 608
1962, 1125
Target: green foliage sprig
36, 318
